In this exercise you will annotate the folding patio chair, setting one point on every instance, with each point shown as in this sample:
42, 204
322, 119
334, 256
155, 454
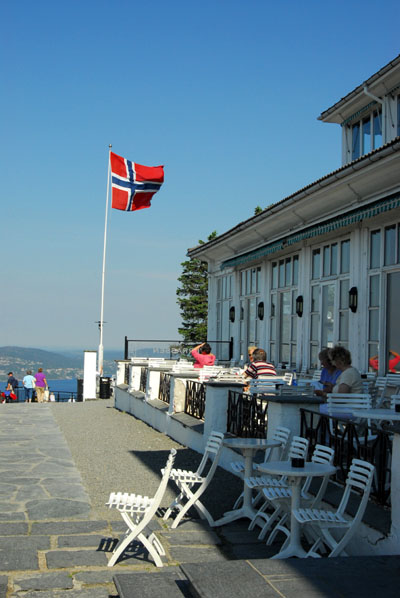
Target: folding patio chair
279, 498
137, 512
192, 484
298, 449
323, 521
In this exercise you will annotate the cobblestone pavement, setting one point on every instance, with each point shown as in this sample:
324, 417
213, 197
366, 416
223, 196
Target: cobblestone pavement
58, 464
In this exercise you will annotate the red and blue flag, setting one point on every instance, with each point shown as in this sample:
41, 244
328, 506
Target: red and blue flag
133, 185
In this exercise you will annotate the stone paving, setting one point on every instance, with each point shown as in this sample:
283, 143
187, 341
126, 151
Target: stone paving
54, 544
51, 543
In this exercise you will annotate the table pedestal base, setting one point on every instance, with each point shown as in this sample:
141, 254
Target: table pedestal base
241, 513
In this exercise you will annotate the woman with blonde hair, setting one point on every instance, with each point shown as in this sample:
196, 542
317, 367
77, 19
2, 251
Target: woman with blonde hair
349, 380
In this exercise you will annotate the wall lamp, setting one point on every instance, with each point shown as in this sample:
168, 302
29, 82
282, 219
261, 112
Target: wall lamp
260, 310
232, 314
299, 305
353, 299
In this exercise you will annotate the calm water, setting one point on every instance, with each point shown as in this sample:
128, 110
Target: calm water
66, 385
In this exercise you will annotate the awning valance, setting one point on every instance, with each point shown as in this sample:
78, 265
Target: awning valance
378, 207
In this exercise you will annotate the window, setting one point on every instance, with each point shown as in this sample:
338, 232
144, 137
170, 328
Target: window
283, 317
366, 134
329, 308
250, 287
224, 302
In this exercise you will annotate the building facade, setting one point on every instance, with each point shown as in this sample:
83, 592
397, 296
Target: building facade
322, 266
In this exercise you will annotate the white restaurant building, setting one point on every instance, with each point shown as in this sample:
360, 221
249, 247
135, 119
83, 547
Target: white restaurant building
322, 266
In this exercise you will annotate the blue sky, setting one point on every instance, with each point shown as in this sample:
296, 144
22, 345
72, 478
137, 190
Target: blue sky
224, 93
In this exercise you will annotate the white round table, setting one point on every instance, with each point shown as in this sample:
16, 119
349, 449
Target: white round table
295, 474
248, 447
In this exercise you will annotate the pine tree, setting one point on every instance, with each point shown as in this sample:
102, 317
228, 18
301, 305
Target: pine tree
193, 299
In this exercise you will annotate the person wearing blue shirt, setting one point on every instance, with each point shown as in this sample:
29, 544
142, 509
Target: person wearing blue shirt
29, 385
329, 373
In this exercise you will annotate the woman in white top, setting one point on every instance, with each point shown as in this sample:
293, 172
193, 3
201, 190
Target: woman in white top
349, 380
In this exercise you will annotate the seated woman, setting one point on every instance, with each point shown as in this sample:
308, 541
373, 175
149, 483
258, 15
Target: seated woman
202, 355
349, 380
329, 373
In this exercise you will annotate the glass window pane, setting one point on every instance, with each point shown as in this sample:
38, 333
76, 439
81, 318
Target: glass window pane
219, 288
344, 326
314, 363
375, 249
334, 257
316, 264
285, 317
314, 327
366, 135
248, 282
355, 141
377, 129
258, 275
327, 319
253, 281
274, 275
390, 245
288, 272
272, 331
273, 305
374, 325
315, 298
281, 273
344, 294
243, 283
373, 355
326, 265
296, 269
271, 357
374, 291
345, 257
284, 353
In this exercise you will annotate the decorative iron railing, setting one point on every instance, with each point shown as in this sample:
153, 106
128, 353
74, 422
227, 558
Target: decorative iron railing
247, 415
164, 391
351, 440
195, 399
143, 379
58, 396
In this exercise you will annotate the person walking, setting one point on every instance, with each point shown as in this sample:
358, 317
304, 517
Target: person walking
40, 385
29, 385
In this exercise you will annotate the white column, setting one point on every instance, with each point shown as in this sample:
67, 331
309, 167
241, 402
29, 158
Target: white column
89, 375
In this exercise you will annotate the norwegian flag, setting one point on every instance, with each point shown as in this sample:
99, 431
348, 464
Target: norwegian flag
133, 185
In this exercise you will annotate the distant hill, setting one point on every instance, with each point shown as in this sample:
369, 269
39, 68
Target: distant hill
55, 365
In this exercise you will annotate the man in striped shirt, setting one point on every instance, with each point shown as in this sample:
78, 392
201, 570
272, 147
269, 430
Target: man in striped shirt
259, 367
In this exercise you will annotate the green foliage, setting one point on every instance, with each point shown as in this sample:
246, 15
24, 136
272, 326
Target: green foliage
257, 210
193, 298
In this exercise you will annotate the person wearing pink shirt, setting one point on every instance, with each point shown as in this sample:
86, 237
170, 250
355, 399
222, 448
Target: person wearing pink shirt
202, 355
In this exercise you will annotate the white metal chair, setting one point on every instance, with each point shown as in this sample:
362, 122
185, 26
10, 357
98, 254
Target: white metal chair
279, 498
192, 484
208, 371
394, 400
137, 512
298, 449
322, 521
265, 385
378, 391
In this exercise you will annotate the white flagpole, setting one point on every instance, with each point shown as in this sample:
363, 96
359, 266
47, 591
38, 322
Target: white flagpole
100, 356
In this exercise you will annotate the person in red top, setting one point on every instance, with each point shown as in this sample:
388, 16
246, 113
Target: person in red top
374, 362
202, 355
259, 366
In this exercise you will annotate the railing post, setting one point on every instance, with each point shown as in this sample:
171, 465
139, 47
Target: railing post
126, 348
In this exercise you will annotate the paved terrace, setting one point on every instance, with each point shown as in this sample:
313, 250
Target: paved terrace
58, 464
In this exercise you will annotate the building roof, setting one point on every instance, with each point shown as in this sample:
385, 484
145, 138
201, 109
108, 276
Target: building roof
357, 183
381, 83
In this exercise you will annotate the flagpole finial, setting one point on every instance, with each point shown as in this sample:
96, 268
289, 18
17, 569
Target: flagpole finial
109, 145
